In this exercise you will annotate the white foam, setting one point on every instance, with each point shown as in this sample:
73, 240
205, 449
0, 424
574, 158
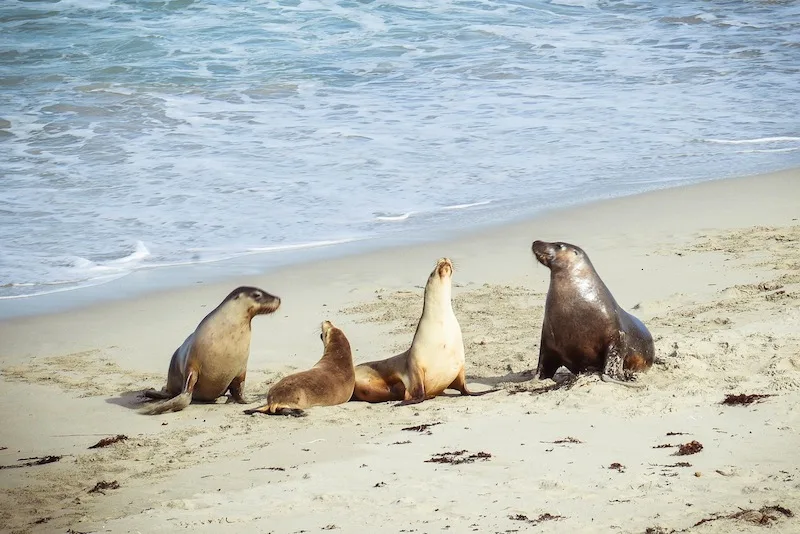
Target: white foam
575, 3
300, 246
66, 285
470, 205
222, 254
782, 139
768, 150
140, 253
394, 218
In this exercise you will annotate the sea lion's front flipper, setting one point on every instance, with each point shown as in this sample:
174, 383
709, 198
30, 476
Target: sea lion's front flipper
237, 388
415, 392
612, 370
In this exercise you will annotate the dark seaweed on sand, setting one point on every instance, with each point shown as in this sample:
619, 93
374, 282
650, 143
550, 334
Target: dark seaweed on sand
743, 400
105, 442
101, 486
693, 447
458, 457
543, 517
420, 428
33, 461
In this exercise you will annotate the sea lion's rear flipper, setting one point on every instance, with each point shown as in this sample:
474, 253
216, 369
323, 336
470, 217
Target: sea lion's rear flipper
408, 402
460, 385
293, 412
268, 410
176, 403
612, 370
157, 394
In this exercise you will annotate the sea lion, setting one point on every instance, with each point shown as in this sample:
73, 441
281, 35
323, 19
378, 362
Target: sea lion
584, 327
435, 360
213, 359
328, 383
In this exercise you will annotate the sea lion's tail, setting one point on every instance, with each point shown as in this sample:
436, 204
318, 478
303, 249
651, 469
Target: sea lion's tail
175, 404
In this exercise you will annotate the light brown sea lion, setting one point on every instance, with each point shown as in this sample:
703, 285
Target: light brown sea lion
584, 327
213, 359
328, 383
434, 362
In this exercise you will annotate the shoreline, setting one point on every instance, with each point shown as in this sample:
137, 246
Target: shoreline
712, 269
143, 282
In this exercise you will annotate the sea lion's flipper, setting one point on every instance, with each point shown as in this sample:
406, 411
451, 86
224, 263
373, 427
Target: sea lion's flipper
176, 403
564, 378
269, 409
293, 412
460, 385
157, 394
415, 392
540, 362
408, 402
605, 378
237, 388
612, 370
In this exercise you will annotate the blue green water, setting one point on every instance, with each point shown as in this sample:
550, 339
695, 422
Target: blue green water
142, 134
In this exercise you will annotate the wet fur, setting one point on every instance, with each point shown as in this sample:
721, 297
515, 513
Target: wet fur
584, 327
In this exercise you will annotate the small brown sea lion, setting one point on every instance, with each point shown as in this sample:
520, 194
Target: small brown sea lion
328, 383
434, 362
584, 327
213, 359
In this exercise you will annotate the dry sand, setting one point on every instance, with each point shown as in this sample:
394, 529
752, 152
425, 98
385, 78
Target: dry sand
712, 269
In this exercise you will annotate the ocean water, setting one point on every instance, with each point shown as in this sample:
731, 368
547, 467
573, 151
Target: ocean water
141, 134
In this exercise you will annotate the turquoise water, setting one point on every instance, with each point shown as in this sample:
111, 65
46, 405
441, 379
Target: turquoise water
136, 135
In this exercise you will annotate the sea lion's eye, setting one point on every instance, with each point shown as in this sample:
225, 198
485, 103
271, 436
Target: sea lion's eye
257, 295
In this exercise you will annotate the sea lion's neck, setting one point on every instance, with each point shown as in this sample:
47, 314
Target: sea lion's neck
438, 299
233, 320
583, 280
338, 350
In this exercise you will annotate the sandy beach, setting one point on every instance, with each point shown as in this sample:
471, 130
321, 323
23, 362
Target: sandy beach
712, 269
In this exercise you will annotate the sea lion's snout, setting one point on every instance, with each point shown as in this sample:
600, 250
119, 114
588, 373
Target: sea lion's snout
266, 302
543, 251
271, 302
325, 327
444, 267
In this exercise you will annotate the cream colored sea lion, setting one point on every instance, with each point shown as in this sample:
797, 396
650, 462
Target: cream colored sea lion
435, 360
584, 327
328, 383
213, 359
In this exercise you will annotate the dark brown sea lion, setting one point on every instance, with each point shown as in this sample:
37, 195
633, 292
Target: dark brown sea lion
584, 328
213, 359
328, 383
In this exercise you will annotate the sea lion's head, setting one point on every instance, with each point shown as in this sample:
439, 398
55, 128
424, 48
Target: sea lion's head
252, 300
334, 340
326, 331
443, 269
558, 255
